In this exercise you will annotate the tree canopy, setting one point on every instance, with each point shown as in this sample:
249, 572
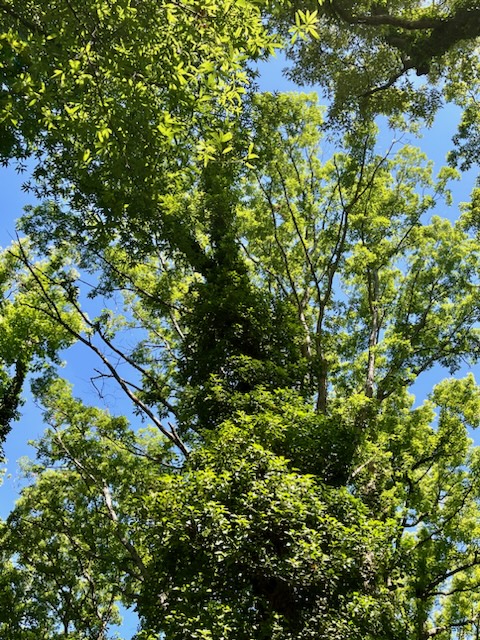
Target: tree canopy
264, 286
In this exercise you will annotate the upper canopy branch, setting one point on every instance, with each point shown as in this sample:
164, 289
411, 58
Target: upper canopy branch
433, 35
386, 19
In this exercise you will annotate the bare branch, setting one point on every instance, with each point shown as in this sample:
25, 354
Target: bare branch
56, 315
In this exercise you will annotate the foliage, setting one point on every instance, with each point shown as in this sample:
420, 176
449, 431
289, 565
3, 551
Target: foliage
263, 302
29, 339
112, 116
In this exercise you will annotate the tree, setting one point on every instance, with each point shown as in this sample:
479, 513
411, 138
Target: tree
266, 313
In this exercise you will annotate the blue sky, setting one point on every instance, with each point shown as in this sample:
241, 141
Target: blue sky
435, 142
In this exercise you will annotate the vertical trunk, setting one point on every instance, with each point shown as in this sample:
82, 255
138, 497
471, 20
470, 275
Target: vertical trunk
322, 387
321, 370
373, 293
307, 344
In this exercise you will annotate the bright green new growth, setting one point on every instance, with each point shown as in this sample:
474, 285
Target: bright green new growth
264, 304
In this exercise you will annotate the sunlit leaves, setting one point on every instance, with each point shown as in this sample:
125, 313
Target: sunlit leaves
90, 93
29, 336
305, 25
